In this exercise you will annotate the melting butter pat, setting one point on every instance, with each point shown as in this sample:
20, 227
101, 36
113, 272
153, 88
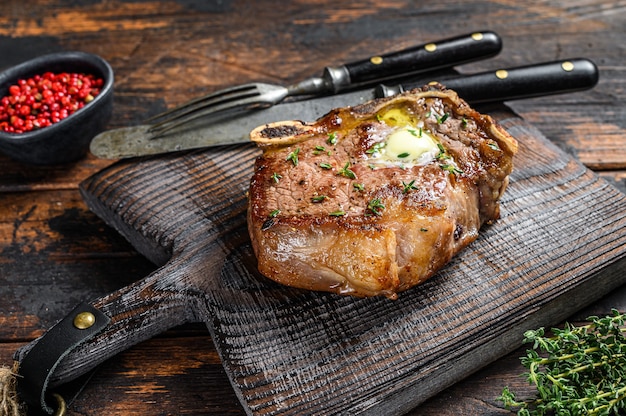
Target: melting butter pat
409, 144
397, 117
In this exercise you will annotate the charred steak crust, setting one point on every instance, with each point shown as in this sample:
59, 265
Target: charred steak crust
374, 199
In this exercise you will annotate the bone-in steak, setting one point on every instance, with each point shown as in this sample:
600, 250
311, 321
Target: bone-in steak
374, 199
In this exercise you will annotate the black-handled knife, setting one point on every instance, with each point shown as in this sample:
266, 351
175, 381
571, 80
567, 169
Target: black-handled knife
503, 84
515, 83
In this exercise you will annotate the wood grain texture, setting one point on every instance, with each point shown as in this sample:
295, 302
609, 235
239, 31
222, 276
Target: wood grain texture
292, 352
165, 52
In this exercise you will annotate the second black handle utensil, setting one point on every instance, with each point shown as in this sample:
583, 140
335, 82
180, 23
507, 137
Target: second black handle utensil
528, 81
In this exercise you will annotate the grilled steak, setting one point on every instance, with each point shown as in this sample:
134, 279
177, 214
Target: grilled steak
374, 199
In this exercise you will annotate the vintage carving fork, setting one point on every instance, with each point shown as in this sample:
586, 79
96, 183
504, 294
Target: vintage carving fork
423, 58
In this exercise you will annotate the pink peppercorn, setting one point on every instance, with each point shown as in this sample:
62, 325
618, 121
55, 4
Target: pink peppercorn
45, 99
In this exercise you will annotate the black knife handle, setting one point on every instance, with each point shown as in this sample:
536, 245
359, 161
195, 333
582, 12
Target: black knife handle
516, 83
427, 57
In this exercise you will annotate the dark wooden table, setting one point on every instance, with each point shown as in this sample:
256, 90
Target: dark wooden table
55, 253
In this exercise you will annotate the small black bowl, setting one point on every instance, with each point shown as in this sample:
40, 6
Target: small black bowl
67, 140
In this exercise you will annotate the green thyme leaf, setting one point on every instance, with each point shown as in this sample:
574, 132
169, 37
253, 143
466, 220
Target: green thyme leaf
332, 138
345, 171
293, 156
494, 146
319, 198
408, 186
326, 166
376, 148
274, 213
376, 206
338, 213
442, 152
358, 186
276, 177
451, 168
576, 371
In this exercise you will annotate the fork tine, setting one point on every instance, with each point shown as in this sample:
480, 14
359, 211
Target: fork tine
217, 103
216, 110
206, 98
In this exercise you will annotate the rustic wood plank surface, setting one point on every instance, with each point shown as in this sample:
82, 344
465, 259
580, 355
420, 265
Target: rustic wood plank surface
55, 253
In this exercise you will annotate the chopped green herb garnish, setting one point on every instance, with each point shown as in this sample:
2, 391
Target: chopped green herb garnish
345, 171
403, 155
464, 122
423, 229
443, 118
332, 138
358, 186
338, 213
494, 146
276, 177
319, 198
274, 213
326, 166
376, 148
408, 186
376, 206
319, 149
293, 156
452, 169
414, 132
428, 114
442, 152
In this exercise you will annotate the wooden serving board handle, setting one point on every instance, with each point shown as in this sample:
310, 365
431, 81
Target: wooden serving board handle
169, 222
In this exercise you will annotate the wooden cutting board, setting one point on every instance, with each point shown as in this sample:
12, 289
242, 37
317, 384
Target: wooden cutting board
560, 244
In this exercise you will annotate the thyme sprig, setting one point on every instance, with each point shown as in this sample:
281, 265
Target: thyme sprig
293, 156
276, 177
375, 207
577, 371
443, 118
347, 172
406, 187
376, 148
